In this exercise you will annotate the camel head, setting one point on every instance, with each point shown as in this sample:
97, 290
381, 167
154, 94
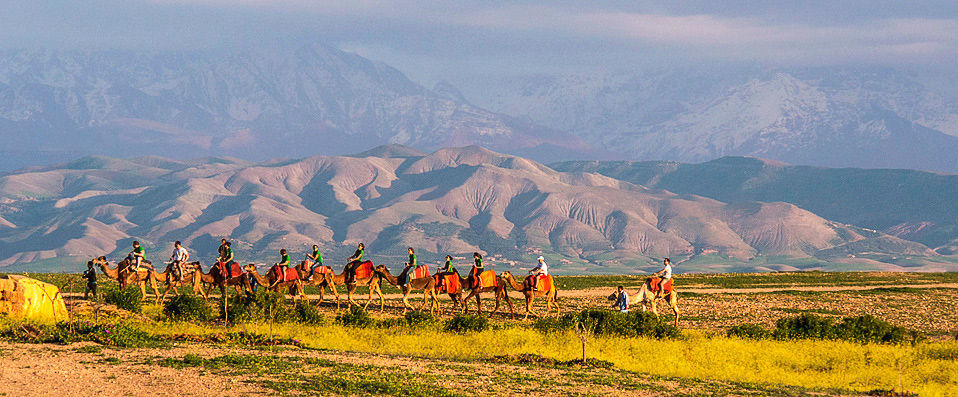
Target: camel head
613, 297
381, 269
250, 267
506, 274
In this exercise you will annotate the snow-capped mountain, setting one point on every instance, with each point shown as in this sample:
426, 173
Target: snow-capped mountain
829, 117
254, 103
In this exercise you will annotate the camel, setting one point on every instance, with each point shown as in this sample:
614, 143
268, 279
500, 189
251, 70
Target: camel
426, 284
499, 291
646, 296
192, 277
295, 287
372, 282
223, 281
324, 281
531, 295
125, 277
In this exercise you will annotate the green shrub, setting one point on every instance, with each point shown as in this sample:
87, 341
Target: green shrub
749, 331
129, 299
420, 319
805, 326
355, 317
187, 308
555, 324
870, 329
260, 306
308, 314
463, 323
631, 324
111, 334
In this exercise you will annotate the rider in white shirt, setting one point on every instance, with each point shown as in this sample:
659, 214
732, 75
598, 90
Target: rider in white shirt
178, 258
666, 273
541, 269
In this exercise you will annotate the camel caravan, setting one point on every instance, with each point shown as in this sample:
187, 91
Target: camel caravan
414, 278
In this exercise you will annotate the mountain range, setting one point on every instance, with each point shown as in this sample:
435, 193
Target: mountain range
451, 201
834, 117
281, 101
258, 103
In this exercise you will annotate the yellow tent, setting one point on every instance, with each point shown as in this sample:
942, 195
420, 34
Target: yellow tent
24, 297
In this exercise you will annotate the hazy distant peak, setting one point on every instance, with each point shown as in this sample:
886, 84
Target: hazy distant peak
394, 150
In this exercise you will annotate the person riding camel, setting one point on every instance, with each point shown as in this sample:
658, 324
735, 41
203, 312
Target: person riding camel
136, 256
665, 274
446, 270
476, 270
222, 251
536, 273
283, 266
352, 262
179, 257
404, 275
228, 254
316, 260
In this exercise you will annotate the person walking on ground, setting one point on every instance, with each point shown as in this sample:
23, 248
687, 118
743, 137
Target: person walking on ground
621, 300
90, 275
354, 261
179, 257
317, 260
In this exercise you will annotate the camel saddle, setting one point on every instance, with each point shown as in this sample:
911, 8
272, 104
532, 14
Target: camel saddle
234, 271
540, 282
420, 271
448, 284
364, 269
487, 279
323, 270
284, 274
655, 285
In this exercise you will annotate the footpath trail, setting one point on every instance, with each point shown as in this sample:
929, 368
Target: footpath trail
605, 291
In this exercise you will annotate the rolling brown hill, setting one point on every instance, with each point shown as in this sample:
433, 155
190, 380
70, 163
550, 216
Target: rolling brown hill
453, 201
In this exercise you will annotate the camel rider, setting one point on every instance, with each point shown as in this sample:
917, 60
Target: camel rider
136, 256
179, 257
227, 254
283, 266
538, 272
445, 270
352, 262
477, 269
316, 258
222, 251
90, 275
411, 265
665, 274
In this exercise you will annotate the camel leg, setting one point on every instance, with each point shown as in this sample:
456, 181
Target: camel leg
496, 308
478, 304
654, 310
382, 299
335, 292
673, 301
509, 302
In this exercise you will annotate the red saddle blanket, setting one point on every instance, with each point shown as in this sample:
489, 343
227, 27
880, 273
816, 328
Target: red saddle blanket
655, 285
283, 274
234, 271
420, 272
323, 270
540, 283
364, 269
448, 284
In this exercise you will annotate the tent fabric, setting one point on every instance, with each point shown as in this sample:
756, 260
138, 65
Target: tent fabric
24, 297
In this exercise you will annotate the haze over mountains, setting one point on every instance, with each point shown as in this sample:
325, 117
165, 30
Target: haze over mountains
455, 200
835, 117
296, 101
254, 103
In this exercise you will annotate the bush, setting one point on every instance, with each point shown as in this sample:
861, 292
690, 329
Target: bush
631, 324
308, 314
555, 324
749, 331
463, 323
187, 308
111, 334
420, 319
862, 329
129, 299
356, 317
260, 306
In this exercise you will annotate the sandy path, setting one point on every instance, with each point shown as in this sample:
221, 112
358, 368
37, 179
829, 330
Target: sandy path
592, 292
